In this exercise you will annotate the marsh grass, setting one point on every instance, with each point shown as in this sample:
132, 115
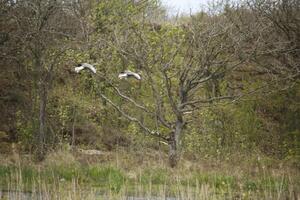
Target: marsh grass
75, 180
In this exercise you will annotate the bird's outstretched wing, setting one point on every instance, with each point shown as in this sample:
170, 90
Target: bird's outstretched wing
133, 74
122, 75
78, 69
90, 67
83, 66
137, 76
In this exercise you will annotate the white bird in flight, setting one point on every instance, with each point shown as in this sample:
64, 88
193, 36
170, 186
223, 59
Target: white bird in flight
82, 66
128, 74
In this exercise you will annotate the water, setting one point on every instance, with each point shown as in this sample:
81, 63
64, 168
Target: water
23, 195
12, 195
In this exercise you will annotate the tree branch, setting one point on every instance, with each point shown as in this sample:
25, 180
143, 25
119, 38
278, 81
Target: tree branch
210, 100
153, 114
133, 119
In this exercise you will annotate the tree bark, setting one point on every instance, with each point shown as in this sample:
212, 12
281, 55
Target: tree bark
73, 127
42, 124
174, 144
42, 93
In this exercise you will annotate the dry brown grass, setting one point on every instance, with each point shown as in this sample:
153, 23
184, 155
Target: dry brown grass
147, 174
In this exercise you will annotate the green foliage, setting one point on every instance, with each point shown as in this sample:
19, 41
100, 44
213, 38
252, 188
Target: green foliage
266, 183
250, 185
28, 175
5, 171
109, 179
155, 176
64, 173
283, 108
110, 14
218, 181
247, 126
26, 129
107, 176
127, 37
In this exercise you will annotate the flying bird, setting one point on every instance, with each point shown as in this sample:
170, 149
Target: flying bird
128, 74
82, 66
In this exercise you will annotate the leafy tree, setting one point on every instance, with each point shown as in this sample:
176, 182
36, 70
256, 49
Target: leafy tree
40, 33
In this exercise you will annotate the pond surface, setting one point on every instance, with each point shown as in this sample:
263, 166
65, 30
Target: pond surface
24, 195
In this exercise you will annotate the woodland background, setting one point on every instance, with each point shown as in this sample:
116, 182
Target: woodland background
216, 85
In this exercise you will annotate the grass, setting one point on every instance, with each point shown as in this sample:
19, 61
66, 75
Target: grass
74, 177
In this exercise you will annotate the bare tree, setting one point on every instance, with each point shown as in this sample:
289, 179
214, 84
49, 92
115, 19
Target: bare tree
177, 65
277, 28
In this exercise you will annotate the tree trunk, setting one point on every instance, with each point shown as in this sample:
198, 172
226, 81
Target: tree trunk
174, 144
73, 127
42, 119
42, 92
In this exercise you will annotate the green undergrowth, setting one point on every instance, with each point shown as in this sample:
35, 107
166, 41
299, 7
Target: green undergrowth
115, 179
127, 173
